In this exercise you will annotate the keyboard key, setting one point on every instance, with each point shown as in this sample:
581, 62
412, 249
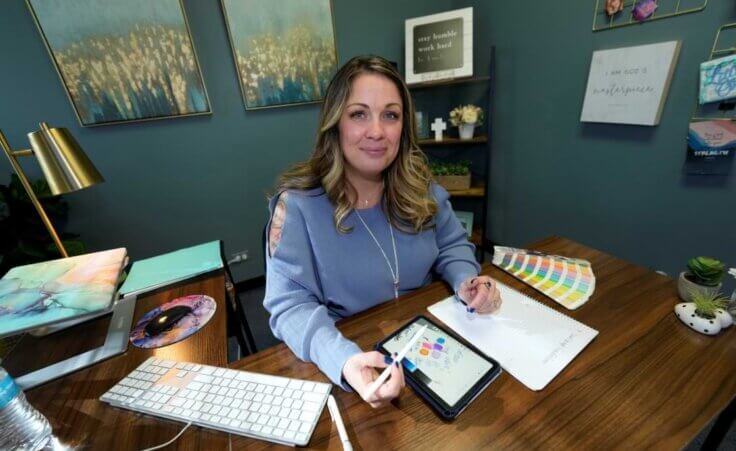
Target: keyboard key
259, 397
322, 388
287, 402
278, 391
294, 425
310, 406
267, 430
284, 412
304, 427
295, 384
301, 437
306, 416
278, 432
273, 421
268, 390
284, 423
308, 386
207, 370
268, 399
313, 397
289, 434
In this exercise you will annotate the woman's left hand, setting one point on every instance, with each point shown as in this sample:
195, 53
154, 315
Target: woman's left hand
480, 294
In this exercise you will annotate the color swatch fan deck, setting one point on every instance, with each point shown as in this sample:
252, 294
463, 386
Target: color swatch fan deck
567, 281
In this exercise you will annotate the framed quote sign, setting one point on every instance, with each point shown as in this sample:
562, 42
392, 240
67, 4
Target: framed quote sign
629, 85
439, 46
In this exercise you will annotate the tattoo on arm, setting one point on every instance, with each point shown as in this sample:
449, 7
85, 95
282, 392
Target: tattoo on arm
277, 223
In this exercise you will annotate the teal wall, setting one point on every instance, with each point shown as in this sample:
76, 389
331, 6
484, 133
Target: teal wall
618, 188
176, 182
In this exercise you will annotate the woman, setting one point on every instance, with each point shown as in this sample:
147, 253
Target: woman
360, 223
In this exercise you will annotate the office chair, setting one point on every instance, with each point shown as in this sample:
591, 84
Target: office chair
237, 323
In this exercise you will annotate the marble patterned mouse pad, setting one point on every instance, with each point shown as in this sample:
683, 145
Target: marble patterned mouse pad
203, 308
44, 293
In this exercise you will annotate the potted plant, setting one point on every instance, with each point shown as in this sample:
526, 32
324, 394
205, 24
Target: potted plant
706, 313
465, 118
704, 275
23, 237
452, 176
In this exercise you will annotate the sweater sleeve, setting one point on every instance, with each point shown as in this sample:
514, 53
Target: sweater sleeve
293, 298
456, 260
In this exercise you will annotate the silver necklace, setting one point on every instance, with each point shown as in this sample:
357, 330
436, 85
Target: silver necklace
394, 276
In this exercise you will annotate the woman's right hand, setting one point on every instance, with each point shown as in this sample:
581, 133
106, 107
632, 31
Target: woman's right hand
360, 371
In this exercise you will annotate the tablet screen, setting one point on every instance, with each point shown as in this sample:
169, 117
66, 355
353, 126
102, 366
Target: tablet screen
443, 364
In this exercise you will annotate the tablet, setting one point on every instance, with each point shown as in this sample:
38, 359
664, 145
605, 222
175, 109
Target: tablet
443, 371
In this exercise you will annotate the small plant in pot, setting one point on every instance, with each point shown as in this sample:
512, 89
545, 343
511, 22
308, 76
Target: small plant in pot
704, 275
706, 313
452, 176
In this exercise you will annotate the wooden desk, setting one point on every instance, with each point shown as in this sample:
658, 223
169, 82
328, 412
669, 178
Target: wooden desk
645, 381
72, 403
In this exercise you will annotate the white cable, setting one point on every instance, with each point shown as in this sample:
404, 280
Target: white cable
170, 441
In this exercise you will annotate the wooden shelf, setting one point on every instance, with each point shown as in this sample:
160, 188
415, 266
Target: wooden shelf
454, 81
473, 191
453, 141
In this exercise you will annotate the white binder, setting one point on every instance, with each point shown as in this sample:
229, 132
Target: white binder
531, 341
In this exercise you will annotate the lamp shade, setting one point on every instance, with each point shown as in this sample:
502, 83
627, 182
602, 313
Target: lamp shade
63, 162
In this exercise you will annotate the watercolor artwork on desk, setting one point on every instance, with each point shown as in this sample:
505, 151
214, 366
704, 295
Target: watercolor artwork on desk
568, 281
49, 292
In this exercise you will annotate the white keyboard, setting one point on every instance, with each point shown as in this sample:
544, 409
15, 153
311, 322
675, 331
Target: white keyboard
261, 406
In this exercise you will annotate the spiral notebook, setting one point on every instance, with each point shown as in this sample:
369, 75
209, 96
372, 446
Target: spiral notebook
531, 341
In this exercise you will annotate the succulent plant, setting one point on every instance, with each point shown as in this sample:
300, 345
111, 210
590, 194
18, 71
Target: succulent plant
706, 271
706, 304
440, 169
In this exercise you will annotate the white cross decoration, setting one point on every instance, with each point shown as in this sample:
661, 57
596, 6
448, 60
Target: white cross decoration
438, 126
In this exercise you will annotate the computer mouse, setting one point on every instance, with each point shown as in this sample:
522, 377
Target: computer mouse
166, 320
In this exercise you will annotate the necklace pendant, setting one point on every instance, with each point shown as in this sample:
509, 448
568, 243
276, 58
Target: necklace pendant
396, 290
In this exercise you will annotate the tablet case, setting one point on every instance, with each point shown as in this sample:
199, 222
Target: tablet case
420, 390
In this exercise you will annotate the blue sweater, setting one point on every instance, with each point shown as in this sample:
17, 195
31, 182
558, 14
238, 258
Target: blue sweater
318, 275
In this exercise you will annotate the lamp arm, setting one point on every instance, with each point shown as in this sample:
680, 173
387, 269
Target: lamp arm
29, 189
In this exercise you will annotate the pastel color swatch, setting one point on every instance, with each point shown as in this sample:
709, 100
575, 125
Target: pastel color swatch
568, 281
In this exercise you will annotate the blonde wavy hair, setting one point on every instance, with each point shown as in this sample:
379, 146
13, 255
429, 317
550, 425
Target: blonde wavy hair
406, 181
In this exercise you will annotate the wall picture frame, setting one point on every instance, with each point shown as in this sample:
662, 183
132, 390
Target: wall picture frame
123, 61
629, 85
439, 46
284, 50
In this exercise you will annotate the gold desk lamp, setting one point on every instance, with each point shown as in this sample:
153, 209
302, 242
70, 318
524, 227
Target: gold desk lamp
63, 162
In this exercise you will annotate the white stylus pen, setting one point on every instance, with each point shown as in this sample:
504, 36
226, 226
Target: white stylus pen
382, 378
335, 414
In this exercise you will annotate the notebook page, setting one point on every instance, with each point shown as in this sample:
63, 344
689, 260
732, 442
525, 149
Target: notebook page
531, 341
